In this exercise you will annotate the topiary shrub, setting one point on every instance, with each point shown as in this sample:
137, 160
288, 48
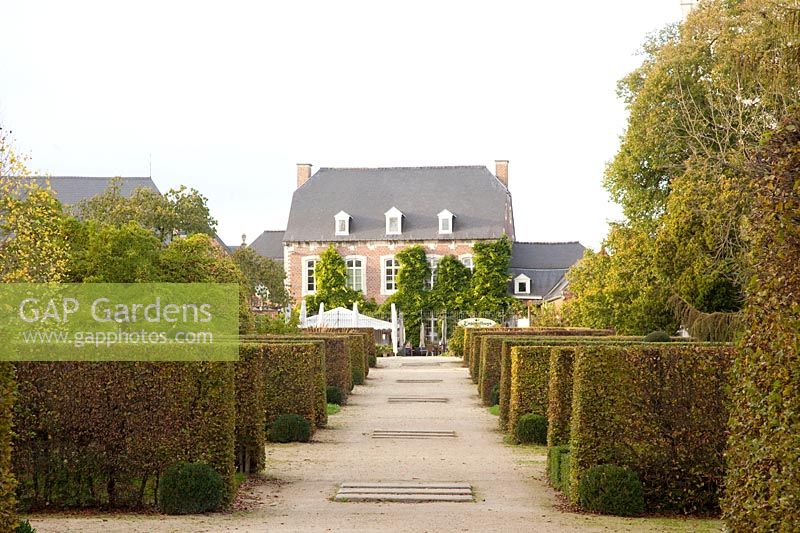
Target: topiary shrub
495, 396
334, 395
190, 488
611, 489
24, 526
531, 429
290, 428
657, 336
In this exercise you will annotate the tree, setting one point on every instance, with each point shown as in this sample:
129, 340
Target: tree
198, 259
705, 94
451, 287
32, 249
490, 279
262, 272
619, 287
103, 253
180, 211
411, 297
33, 246
330, 275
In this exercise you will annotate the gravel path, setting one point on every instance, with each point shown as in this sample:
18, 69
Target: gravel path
511, 493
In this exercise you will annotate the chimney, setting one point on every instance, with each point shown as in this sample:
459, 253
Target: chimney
501, 171
303, 173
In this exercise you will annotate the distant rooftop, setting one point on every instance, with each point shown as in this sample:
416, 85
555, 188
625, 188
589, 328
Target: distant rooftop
72, 189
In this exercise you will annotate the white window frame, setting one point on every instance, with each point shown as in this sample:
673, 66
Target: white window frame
433, 264
522, 278
384, 290
363, 269
304, 274
448, 216
341, 216
390, 215
471, 258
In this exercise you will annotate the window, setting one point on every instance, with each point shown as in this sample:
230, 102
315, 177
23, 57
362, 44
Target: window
433, 263
309, 279
446, 222
467, 261
394, 221
390, 268
522, 284
342, 223
355, 273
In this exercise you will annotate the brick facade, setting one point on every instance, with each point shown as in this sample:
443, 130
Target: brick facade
372, 252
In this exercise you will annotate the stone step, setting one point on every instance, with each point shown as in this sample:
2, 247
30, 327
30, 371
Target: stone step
416, 399
412, 434
419, 381
409, 492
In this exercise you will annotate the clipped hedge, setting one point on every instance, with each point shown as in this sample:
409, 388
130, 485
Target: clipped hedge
101, 434
358, 359
562, 340
489, 373
8, 515
250, 409
320, 380
660, 410
559, 395
530, 374
338, 371
558, 467
290, 381
762, 485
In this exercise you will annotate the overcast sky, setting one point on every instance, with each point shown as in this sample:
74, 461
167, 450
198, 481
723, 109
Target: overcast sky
227, 96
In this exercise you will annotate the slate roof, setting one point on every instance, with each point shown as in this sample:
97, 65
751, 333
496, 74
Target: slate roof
269, 244
480, 202
72, 189
545, 263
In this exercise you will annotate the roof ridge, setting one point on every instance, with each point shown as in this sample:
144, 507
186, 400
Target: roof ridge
418, 167
91, 177
547, 242
274, 231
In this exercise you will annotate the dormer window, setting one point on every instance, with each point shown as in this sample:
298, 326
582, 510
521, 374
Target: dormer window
522, 284
394, 221
446, 222
342, 221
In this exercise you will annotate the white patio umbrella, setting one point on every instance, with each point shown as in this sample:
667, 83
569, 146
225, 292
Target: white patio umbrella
355, 314
394, 329
321, 315
422, 333
303, 313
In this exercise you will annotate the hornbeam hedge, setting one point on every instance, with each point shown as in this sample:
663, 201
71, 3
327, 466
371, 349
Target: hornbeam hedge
659, 410
559, 395
530, 367
250, 408
8, 515
290, 380
102, 434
